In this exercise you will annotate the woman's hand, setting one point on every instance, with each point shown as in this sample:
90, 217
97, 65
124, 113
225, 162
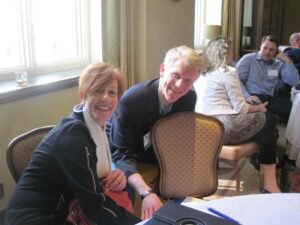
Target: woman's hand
262, 107
115, 181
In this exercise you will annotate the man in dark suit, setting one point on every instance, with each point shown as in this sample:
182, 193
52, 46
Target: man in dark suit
141, 106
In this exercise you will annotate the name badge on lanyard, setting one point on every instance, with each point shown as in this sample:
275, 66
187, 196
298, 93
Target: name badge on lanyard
272, 73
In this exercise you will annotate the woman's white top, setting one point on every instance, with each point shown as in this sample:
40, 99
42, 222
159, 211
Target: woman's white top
100, 138
219, 92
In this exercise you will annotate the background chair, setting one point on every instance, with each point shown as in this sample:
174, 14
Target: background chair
187, 146
20, 149
232, 154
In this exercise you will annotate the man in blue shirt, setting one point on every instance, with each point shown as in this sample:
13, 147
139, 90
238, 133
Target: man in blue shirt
265, 74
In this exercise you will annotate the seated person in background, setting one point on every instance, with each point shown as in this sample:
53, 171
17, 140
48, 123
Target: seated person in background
291, 159
264, 76
219, 95
141, 106
73, 161
294, 52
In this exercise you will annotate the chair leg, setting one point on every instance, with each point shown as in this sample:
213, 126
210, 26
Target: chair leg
238, 181
284, 180
261, 179
237, 177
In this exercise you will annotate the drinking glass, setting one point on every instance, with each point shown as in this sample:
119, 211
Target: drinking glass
21, 77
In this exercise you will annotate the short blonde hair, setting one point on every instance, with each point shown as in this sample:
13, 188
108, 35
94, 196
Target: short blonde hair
192, 58
104, 72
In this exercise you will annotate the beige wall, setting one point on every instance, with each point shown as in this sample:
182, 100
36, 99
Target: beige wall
19, 116
169, 24
155, 27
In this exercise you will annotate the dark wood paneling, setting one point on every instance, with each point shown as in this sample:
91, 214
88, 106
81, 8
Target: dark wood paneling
291, 19
278, 17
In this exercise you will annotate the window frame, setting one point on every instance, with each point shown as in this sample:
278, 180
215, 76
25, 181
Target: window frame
91, 50
200, 21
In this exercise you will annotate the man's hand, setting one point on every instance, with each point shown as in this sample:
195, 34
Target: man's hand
283, 57
150, 204
115, 181
254, 100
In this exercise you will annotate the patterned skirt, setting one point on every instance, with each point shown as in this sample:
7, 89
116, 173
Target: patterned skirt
241, 127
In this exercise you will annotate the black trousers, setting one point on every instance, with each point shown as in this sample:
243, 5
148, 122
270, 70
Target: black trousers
280, 105
266, 138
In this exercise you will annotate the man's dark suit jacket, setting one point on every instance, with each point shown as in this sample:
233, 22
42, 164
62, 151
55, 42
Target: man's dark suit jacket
134, 117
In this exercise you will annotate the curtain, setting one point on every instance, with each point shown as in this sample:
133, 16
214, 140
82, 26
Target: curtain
232, 24
122, 37
111, 31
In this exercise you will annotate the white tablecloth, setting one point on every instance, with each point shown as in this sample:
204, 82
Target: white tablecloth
293, 131
260, 209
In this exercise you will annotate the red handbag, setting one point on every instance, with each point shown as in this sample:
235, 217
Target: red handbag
76, 215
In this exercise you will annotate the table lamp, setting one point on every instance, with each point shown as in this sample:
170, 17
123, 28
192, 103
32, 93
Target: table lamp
246, 36
210, 31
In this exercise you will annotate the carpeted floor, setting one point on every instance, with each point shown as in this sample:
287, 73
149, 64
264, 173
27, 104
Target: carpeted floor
250, 182
250, 177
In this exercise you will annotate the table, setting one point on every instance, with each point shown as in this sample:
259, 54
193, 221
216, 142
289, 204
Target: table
259, 209
292, 131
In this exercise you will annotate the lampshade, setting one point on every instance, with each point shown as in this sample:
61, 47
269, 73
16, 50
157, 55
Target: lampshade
211, 31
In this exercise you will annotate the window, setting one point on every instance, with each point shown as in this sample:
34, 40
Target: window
208, 15
44, 36
247, 24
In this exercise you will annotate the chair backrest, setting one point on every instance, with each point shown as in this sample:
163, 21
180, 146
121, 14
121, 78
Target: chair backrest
20, 150
187, 146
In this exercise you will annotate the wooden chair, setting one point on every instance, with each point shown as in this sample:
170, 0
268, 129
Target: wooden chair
20, 150
232, 154
187, 146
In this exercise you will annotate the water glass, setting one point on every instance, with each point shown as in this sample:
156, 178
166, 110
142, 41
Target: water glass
21, 77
